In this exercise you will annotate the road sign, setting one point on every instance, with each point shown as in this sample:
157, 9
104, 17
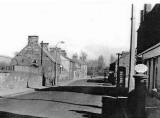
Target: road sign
141, 68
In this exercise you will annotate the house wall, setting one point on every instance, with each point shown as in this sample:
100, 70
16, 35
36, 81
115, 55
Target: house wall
152, 60
148, 45
71, 71
19, 78
65, 70
124, 61
148, 31
84, 70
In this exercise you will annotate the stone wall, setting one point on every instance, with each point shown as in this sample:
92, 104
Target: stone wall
15, 80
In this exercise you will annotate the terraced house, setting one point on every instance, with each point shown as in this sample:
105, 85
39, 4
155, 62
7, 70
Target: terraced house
45, 66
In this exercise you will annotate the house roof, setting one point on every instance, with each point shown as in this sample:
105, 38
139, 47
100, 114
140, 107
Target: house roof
48, 54
148, 31
149, 49
44, 50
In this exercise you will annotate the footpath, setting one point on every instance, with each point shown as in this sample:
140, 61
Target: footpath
7, 92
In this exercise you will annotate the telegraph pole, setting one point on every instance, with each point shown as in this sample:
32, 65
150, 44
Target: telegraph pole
42, 71
118, 78
132, 51
41, 53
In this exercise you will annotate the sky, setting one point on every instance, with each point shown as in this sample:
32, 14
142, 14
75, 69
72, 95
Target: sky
97, 27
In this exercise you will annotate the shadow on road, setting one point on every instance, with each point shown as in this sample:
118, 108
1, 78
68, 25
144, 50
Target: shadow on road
87, 114
64, 102
13, 115
93, 90
101, 80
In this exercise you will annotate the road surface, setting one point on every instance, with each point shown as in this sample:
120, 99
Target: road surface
55, 103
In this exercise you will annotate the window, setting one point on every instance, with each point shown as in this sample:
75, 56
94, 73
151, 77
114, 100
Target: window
61, 68
34, 61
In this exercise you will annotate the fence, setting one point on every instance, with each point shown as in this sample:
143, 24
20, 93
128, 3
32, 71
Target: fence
6, 69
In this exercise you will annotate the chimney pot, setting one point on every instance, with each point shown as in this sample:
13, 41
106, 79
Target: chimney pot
32, 40
147, 8
45, 45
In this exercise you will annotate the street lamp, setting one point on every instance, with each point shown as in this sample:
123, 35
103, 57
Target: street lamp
61, 42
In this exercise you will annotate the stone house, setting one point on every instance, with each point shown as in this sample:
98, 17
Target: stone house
51, 64
37, 56
79, 69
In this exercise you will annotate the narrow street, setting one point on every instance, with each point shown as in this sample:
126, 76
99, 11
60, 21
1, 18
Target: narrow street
59, 102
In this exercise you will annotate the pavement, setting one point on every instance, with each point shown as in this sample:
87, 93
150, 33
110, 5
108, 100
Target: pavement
152, 107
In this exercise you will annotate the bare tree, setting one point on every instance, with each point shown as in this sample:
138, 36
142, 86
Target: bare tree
101, 63
92, 66
83, 56
112, 58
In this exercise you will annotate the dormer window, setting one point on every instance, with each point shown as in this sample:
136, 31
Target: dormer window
34, 61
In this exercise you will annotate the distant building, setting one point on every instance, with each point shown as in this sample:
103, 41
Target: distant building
51, 63
123, 64
148, 44
4, 64
79, 68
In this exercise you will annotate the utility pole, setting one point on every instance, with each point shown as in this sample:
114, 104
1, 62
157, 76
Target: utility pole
41, 53
42, 71
132, 52
55, 66
118, 78
56, 63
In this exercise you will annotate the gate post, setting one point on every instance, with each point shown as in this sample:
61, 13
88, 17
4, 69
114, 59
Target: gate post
140, 95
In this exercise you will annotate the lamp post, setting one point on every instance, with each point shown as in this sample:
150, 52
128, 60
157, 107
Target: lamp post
118, 77
61, 42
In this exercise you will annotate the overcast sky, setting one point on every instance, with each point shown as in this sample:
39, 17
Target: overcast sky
94, 26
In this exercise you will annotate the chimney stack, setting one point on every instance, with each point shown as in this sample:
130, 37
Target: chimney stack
52, 50
63, 53
33, 40
45, 46
142, 16
147, 8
